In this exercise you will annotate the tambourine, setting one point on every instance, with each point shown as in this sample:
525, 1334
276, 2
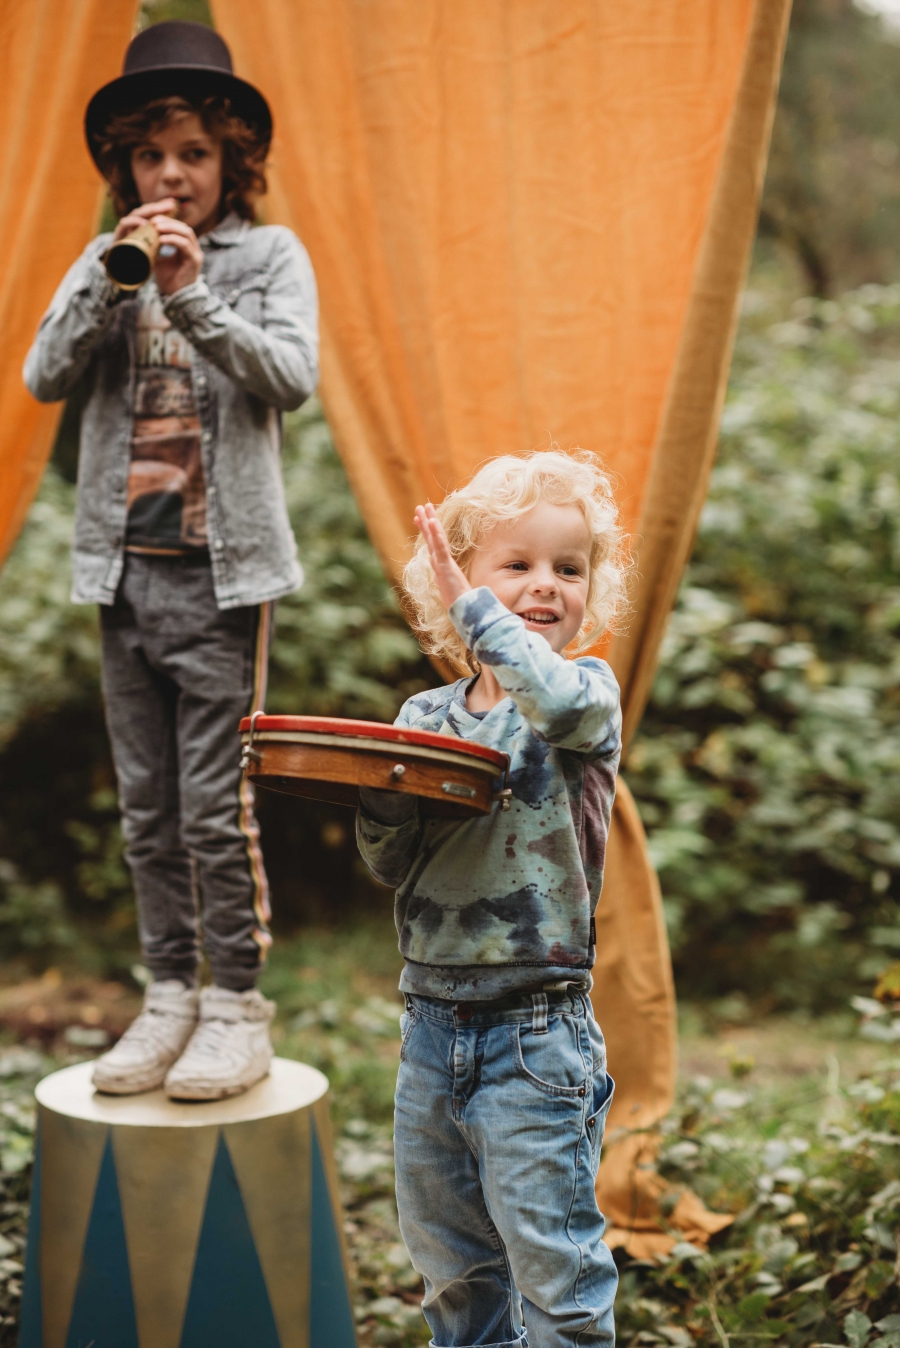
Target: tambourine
325, 758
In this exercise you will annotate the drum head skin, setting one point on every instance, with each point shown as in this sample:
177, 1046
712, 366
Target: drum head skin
327, 758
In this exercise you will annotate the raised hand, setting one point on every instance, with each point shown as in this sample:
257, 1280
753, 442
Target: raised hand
451, 579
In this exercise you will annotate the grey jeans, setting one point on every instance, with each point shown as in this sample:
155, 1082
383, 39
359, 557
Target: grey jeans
178, 674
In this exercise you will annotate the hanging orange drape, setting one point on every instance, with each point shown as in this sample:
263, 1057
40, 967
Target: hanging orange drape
53, 55
530, 221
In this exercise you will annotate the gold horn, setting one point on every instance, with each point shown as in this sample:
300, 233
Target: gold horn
129, 262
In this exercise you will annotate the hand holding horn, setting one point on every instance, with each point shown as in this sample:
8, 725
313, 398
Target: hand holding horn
131, 257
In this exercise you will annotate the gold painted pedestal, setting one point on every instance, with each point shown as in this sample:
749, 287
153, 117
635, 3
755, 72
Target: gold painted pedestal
164, 1225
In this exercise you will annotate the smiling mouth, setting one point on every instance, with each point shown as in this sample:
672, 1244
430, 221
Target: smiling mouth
541, 617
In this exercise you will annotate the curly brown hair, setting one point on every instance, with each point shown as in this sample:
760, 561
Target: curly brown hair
243, 151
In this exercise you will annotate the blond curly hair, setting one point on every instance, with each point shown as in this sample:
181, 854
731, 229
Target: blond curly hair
502, 489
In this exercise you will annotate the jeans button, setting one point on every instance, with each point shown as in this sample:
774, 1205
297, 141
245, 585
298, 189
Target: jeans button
581, 1090
463, 1011
590, 1123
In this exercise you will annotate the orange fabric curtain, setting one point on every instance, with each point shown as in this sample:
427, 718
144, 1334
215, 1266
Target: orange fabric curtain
531, 222
53, 55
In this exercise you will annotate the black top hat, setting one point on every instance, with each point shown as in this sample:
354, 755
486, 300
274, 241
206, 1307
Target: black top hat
175, 58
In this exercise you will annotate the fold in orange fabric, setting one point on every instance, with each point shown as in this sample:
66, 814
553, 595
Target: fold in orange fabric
53, 55
530, 223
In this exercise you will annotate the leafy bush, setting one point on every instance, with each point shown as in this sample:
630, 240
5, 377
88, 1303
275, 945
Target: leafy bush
49, 656
768, 765
813, 1179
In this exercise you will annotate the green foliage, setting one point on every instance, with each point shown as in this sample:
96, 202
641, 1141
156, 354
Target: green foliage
32, 916
49, 656
767, 765
832, 193
159, 11
811, 1257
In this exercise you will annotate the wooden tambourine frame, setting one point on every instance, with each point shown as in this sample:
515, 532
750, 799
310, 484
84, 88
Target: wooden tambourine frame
324, 758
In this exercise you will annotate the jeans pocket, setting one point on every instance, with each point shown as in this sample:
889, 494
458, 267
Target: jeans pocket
555, 1061
604, 1089
407, 1021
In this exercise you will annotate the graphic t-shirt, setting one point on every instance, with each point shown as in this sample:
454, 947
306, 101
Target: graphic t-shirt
166, 489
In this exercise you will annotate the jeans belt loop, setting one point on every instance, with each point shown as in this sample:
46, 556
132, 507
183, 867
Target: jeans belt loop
539, 1012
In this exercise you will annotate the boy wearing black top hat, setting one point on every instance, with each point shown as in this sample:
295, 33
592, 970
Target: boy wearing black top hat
181, 533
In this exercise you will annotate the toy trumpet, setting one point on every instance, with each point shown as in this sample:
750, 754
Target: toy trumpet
129, 262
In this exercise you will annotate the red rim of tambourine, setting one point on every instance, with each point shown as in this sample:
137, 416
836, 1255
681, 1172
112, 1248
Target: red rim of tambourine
376, 730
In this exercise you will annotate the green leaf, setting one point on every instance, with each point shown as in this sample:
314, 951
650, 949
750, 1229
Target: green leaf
857, 1328
753, 1307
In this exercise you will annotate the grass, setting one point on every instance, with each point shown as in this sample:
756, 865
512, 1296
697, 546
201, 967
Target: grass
792, 1125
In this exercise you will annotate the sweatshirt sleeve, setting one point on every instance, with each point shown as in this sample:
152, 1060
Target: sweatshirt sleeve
572, 704
388, 827
277, 359
72, 327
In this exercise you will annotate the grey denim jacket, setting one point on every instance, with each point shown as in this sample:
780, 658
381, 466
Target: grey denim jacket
252, 320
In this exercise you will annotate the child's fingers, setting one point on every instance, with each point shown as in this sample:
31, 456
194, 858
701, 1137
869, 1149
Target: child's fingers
150, 209
426, 521
165, 222
450, 579
439, 551
441, 544
436, 542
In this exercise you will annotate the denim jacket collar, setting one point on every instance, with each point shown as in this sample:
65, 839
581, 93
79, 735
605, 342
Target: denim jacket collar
227, 232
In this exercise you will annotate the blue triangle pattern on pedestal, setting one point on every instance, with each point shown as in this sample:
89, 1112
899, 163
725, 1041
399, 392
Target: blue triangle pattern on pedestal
31, 1325
330, 1314
103, 1313
228, 1303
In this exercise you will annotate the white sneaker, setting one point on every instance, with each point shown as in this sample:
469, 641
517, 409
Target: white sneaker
152, 1043
230, 1049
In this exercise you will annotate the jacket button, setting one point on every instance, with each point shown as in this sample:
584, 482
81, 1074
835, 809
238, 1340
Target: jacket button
590, 1123
581, 1090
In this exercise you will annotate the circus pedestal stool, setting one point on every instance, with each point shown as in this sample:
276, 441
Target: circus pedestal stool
163, 1225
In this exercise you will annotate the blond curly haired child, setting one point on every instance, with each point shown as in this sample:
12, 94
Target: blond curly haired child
503, 1092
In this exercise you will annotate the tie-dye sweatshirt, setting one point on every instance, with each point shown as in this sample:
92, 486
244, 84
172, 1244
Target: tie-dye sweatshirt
504, 903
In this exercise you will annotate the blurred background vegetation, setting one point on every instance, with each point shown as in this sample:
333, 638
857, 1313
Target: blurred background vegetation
767, 769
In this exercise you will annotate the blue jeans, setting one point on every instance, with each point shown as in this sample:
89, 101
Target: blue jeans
500, 1110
